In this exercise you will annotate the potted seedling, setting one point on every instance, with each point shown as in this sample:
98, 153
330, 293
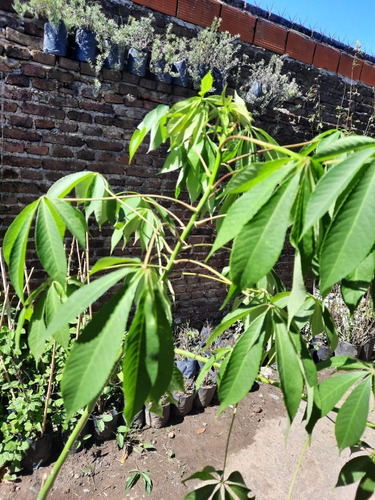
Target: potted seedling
215, 52
266, 86
206, 390
187, 338
184, 399
91, 24
107, 414
138, 35
168, 58
59, 22
157, 416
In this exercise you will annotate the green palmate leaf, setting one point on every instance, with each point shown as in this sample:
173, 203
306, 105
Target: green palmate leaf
94, 355
354, 470
148, 360
289, 369
344, 145
243, 365
202, 493
352, 233
245, 207
366, 486
356, 284
261, 240
298, 293
63, 186
330, 329
236, 484
165, 345
334, 388
153, 122
96, 190
14, 247
108, 262
49, 245
73, 219
352, 417
82, 299
332, 184
54, 301
204, 475
37, 328
254, 174
344, 363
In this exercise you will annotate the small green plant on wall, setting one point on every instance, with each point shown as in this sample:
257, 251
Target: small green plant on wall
265, 85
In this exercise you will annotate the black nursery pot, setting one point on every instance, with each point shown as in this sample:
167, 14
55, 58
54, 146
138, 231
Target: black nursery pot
161, 75
157, 421
116, 57
38, 453
86, 46
55, 39
182, 78
188, 367
184, 403
137, 62
204, 396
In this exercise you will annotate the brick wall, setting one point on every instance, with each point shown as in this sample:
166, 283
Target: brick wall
54, 123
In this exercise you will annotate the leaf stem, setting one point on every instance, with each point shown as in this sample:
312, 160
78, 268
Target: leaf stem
228, 438
307, 442
63, 455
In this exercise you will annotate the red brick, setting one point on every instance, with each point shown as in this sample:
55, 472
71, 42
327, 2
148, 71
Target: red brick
43, 123
13, 147
42, 84
66, 140
86, 69
18, 80
17, 52
129, 78
31, 42
93, 131
4, 67
270, 36
21, 121
43, 58
350, 66
94, 106
200, 12
10, 107
166, 6
38, 150
113, 98
61, 76
80, 116
111, 75
300, 47
86, 154
48, 111
33, 70
22, 135
66, 63
368, 74
68, 127
105, 145
326, 57
238, 22
62, 152
21, 161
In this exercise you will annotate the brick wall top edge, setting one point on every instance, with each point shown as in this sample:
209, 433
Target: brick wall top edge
252, 30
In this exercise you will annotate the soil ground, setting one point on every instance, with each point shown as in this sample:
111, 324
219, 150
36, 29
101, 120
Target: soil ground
258, 449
